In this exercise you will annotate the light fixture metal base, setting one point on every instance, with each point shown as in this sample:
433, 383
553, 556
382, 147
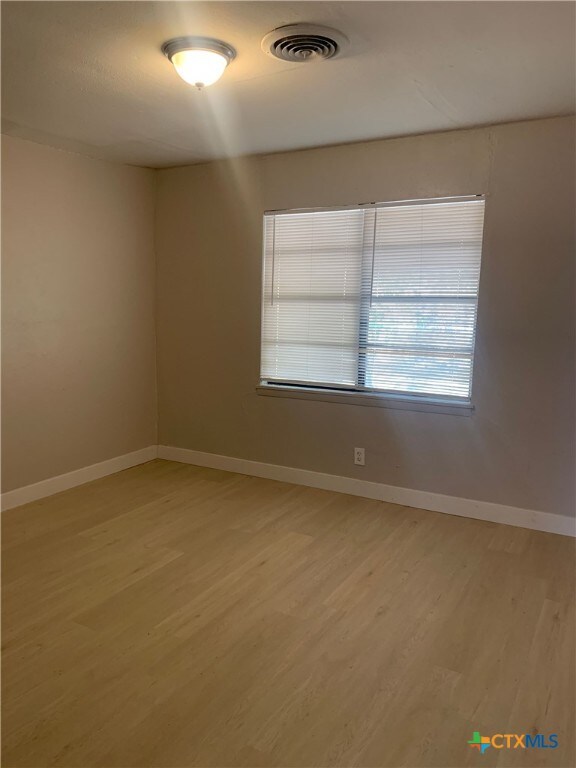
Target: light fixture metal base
178, 44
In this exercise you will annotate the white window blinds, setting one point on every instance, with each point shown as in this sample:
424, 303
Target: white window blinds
376, 298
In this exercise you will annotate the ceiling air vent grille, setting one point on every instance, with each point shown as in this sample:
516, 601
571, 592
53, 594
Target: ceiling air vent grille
303, 43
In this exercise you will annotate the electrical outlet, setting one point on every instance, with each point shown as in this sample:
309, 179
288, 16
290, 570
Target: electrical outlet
359, 456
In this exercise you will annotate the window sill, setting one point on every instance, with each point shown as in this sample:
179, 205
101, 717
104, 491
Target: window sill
399, 402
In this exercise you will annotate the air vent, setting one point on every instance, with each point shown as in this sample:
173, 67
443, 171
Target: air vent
303, 43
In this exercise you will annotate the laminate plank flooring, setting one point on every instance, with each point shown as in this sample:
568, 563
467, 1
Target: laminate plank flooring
175, 616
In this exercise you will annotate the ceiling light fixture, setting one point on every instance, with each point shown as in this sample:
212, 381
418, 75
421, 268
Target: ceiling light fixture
199, 61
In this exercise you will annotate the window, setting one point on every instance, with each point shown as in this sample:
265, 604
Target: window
373, 299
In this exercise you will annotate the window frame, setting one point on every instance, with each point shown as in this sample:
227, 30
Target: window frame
359, 394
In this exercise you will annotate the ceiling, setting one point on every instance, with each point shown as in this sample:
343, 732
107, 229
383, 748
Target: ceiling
89, 76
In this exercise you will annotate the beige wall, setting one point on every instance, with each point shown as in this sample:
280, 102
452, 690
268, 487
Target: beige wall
78, 314
518, 447
78, 353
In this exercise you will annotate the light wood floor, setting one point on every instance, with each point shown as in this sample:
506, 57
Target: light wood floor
176, 616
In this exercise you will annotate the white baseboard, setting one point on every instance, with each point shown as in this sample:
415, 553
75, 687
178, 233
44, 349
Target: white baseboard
480, 510
451, 505
53, 485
